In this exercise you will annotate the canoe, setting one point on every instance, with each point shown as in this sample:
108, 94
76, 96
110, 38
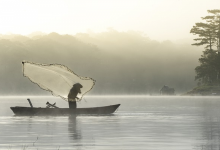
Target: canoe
34, 111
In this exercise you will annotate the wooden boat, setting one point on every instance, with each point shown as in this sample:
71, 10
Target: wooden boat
34, 111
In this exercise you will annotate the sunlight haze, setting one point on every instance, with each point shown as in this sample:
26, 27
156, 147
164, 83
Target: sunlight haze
157, 19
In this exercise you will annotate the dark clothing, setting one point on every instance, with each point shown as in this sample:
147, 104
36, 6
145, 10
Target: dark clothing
73, 93
72, 104
72, 98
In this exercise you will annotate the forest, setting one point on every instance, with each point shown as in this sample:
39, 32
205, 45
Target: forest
121, 62
207, 72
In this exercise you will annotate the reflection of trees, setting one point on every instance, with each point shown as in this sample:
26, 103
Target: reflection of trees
209, 134
210, 127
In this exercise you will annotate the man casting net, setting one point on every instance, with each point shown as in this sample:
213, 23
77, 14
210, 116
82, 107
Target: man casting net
59, 80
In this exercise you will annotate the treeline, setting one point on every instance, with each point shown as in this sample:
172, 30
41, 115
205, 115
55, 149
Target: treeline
120, 62
208, 72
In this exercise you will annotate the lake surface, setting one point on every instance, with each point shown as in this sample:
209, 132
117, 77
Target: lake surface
141, 122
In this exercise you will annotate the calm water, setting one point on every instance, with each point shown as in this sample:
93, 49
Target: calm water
147, 122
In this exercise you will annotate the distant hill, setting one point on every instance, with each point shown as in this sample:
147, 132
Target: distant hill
120, 62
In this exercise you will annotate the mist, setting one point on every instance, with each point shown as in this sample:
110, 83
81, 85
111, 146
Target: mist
121, 62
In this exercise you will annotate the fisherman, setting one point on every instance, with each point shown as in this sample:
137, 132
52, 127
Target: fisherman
72, 96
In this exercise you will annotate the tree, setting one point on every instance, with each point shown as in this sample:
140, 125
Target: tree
209, 35
215, 21
206, 34
206, 72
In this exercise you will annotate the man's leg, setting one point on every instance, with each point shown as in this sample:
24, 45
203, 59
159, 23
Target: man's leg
72, 104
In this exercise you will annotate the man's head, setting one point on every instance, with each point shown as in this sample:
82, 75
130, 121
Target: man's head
78, 86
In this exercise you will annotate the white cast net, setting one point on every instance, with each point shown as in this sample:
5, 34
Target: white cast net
57, 79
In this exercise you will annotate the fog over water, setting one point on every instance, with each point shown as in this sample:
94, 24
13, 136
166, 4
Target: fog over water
120, 62
155, 122
131, 48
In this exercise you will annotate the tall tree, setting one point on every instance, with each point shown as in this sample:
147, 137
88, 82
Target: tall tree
206, 35
209, 35
215, 21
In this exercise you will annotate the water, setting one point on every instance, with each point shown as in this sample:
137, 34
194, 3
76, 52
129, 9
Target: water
141, 122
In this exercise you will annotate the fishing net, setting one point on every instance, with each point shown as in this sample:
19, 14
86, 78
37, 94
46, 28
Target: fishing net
57, 79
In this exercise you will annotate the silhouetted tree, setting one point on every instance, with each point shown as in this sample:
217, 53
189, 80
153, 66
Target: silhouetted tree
209, 35
206, 34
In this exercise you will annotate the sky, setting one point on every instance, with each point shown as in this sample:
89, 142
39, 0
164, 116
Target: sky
158, 19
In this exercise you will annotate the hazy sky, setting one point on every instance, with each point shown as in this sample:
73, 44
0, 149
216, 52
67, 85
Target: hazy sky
158, 19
